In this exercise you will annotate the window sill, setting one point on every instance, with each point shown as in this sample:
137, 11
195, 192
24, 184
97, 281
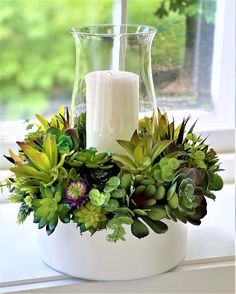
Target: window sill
210, 257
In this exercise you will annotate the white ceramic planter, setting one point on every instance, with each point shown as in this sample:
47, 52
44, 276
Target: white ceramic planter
94, 258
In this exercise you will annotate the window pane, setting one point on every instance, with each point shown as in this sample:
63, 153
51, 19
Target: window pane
37, 52
182, 51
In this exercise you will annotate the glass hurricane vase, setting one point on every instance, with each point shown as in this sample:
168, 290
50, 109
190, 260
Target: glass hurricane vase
113, 81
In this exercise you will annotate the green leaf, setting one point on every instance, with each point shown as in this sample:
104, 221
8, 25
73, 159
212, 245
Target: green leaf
48, 192
157, 175
125, 160
160, 193
128, 146
148, 182
174, 201
138, 154
114, 182
182, 130
157, 226
42, 222
174, 163
171, 191
169, 213
150, 202
64, 212
126, 181
156, 213
112, 205
135, 140
210, 195
158, 148
43, 121
30, 172
139, 229
179, 216
39, 159
118, 193
216, 182
139, 189
140, 212
50, 148
150, 190
125, 220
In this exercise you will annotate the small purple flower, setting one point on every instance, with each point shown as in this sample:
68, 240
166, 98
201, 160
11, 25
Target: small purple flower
76, 193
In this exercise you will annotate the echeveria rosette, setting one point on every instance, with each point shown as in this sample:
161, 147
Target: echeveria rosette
186, 200
49, 207
76, 193
89, 217
65, 144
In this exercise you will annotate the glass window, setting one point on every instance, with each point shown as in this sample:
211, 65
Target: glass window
37, 52
182, 51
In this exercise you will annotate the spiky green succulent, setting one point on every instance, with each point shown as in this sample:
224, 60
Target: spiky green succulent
163, 173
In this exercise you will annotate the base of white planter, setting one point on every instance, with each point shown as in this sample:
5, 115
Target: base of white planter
94, 258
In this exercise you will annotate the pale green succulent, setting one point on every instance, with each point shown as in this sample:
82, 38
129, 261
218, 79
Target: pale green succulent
90, 216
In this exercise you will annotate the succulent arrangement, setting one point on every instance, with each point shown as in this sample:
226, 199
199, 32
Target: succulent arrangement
165, 172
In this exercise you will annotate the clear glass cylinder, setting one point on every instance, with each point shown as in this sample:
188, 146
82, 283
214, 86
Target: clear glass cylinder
113, 80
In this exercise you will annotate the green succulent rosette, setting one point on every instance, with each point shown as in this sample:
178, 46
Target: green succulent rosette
165, 173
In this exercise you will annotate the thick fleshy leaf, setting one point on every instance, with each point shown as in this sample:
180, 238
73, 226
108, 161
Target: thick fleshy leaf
156, 213
171, 191
174, 201
29, 172
126, 181
139, 229
138, 154
179, 216
216, 182
135, 138
128, 146
125, 160
170, 214
50, 148
158, 148
42, 222
39, 159
210, 195
16, 158
160, 193
140, 212
43, 121
156, 225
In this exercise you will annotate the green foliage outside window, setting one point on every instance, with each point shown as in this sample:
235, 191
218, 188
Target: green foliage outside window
37, 51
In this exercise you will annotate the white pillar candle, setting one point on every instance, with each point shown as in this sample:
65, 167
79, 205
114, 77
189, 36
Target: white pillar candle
112, 106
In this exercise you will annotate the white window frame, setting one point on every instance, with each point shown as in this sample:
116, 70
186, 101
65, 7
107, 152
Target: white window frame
219, 121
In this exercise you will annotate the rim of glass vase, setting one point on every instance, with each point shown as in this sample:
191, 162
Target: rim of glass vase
111, 30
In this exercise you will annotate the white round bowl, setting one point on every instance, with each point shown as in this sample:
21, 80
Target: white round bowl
94, 258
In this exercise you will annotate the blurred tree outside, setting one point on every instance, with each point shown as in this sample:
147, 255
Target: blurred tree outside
199, 42
37, 53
